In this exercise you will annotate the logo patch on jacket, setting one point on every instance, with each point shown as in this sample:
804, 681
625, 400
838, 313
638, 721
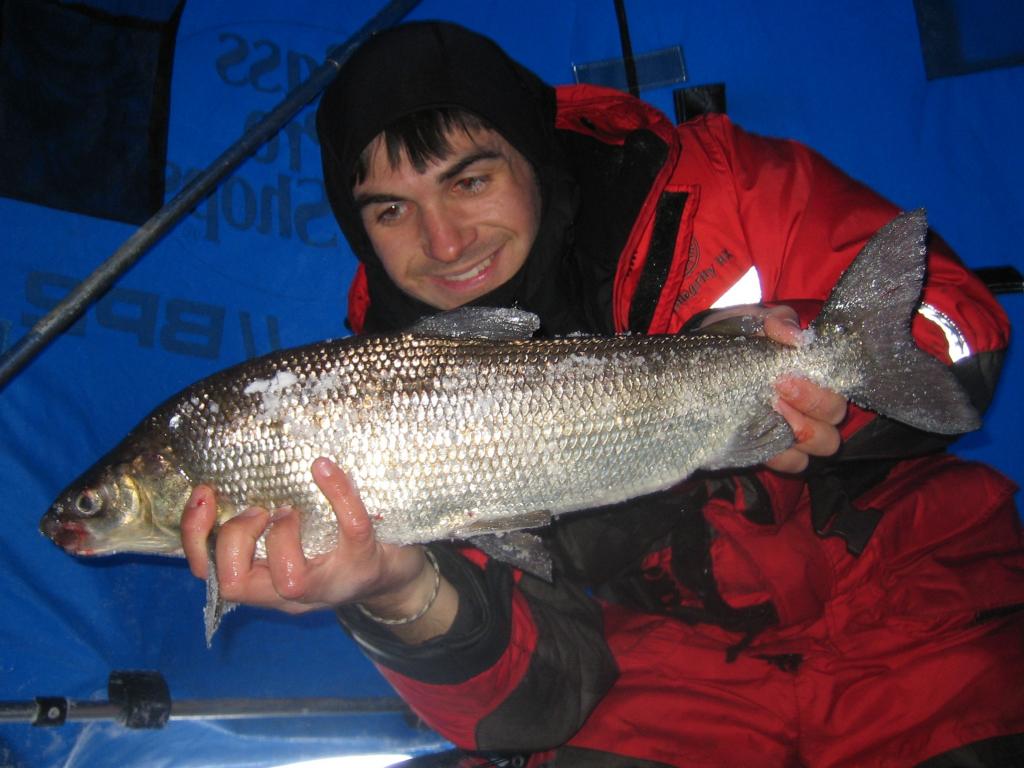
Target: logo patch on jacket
703, 276
692, 257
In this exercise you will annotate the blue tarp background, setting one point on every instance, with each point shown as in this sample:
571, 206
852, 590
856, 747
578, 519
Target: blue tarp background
261, 264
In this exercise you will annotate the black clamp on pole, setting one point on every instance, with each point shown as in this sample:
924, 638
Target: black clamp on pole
50, 710
142, 697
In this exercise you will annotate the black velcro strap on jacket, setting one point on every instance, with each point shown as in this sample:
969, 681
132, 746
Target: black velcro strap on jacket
659, 260
832, 494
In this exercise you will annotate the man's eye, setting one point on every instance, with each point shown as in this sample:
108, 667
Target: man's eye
472, 184
390, 213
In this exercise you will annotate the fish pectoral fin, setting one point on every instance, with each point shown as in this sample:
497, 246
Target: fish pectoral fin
216, 607
498, 323
755, 442
520, 549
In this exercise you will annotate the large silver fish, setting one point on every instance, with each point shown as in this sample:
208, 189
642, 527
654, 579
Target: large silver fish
454, 433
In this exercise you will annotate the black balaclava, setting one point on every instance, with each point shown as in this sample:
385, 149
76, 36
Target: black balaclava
426, 65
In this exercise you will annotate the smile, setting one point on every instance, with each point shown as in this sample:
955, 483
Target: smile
469, 274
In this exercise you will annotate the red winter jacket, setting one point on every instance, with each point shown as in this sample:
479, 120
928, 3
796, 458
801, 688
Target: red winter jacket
730, 620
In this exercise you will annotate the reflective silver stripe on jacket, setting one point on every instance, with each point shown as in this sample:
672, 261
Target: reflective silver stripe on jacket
746, 290
958, 346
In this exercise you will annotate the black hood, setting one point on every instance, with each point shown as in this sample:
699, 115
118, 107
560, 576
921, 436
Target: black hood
425, 65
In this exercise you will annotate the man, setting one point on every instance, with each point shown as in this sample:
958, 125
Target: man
819, 611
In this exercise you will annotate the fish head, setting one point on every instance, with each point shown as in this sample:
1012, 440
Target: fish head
130, 502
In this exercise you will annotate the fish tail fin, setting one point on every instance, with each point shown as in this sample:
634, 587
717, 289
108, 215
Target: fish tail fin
874, 301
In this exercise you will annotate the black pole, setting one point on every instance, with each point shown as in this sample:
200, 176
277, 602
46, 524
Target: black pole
627, 48
144, 238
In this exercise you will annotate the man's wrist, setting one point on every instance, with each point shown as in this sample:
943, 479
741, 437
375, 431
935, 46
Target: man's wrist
409, 608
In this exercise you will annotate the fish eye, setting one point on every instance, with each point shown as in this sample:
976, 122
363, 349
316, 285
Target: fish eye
88, 503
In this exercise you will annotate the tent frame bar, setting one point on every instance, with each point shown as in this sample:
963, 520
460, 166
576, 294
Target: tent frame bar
55, 711
141, 699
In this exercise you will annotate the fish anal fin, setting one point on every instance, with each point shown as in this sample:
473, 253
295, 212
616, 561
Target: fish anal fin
520, 549
755, 442
535, 519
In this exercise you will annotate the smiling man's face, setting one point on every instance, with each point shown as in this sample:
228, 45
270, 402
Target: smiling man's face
458, 229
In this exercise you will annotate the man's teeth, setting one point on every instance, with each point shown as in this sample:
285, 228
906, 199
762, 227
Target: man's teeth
471, 273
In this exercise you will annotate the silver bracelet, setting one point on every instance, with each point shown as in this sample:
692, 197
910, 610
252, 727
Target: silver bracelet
422, 611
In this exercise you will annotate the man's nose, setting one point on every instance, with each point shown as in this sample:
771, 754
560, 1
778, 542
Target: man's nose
445, 233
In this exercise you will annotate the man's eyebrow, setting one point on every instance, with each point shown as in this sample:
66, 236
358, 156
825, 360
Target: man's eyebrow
364, 200
447, 174
454, 170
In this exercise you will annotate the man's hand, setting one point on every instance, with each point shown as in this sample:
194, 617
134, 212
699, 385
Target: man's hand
393, 582
813, 413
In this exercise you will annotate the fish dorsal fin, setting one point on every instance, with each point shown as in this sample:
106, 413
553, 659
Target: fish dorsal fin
497, 323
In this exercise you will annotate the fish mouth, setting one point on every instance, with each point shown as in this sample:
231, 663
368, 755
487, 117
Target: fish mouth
68, 535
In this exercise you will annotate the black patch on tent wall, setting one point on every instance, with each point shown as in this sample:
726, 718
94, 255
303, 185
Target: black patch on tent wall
84, 101
1003, 279
698, 100
963, 36
653, 70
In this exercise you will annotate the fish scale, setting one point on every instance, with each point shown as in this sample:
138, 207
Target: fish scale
492, 431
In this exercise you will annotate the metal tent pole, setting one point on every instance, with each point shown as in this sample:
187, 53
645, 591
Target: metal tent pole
627, 48
144, 238
56, 710
142, 700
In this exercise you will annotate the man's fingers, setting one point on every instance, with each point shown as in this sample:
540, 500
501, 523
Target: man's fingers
239, 579
789, 461
286, 580
812, 412
236, 546
285, 558
353, 521
812, 436
781, 324
811, 400
196, 523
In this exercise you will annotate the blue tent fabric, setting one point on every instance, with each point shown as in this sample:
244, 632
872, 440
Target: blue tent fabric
84, 106
261, 264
